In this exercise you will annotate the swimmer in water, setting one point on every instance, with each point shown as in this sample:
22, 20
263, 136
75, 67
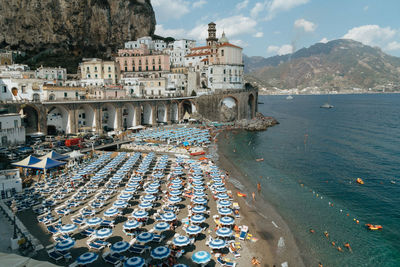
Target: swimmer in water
333, 243
347, 245
312, 231
326, 234
339, 249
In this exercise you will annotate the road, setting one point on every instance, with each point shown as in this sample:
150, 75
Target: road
118, 143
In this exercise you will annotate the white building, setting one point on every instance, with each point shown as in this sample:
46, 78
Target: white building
55, 75
10, 183
97, 72
20, 89
178, 50
158, 45
11, 130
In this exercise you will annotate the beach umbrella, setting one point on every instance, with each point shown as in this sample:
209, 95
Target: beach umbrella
199, 194
175, 186
140, 214
217, 184
193, 229
111, 212
135, 179
222, 196
175, 192
199, 200
201, 257
65, 244
181, 241
217, 244
68, 228
197, 218
197, 182
161, 226
217, 179
131, 224
176, 181
150, 190
144, 237
87, 258
103, 233
125, 196
224, 203
226, 220
120, 246
178, 168
225, 211
198, 209
149, 198
168, 216
145, 205
135, 262
224, 232
120, 203
177, 172
154, 185
199, 188
174, 199
220, 189
180, 265
160, 253
94, 221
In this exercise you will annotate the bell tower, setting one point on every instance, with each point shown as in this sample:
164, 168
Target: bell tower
212, 34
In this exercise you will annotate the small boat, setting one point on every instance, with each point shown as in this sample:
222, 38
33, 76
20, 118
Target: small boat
260, 159
326, 105
360, 181
239, 194
289, 97
374, 226
198, 153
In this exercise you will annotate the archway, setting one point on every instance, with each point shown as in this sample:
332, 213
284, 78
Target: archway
30, 119
161, 113
58, 119
128, 116
147, 114
36, 97
86, 118
174, 112
251, 107
109, 120
188, 107
228, 109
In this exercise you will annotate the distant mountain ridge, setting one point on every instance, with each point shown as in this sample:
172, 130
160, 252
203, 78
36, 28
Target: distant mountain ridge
336, 65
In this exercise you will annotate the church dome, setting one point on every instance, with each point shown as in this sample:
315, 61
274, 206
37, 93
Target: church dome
223, 39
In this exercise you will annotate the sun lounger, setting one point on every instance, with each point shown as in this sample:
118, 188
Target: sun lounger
95, 246
225, 263
87, 232
138, 249
52, 229
55, 255
102, 243
107, 223
158, 238
243, 232
233, 250
111, 259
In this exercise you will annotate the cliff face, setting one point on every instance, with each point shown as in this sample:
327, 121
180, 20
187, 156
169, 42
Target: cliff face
82, 27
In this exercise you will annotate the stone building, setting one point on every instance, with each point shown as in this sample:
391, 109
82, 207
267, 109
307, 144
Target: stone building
97, 72
11, 130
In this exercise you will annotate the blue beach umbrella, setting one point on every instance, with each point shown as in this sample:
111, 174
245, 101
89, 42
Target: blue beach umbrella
198, 209
68, 228
111, 212
87, 258
66, 244
197, 182
181, 241
220, 189
222, 196
125, 196
103, 233
224, 203
180, 265
144, 237
120, 246
224, 232
154, 185
197, 218
168, 216
226, 220
151, 190
225, 211
140, 214
175, 186
199, 200
175, 192
120, 203
217, 244
199, 194
176, 181
149, 198
160, 253
131, 224
161, 226
145, 205
94, 221
135, 262
217, 179
177, 172
193, 230
174, 199
218, 184
201, 257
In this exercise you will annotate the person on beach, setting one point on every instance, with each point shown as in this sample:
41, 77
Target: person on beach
259, 187
320, 264
255, 262
254, 196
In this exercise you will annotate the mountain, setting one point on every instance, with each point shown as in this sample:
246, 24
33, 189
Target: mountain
337, 65
60, 32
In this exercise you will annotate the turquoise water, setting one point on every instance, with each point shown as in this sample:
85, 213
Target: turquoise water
326, 150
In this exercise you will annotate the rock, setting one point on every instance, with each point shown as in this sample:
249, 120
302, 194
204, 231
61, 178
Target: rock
227, 114
259, 123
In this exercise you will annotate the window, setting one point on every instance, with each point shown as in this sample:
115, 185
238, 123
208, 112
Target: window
95, 68
65, 94
87, 69
88, 75
224, 71
159, 92
140, 62
126, 68
211, 71
147, 68
4, 89
0, 125
95, 75
159, 67
224, 79
159, 60
76, 94
159, 83
153, 61
154, 67
15, 123
222, 52
109, 69
109, 76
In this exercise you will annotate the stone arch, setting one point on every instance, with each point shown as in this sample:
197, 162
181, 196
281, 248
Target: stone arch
58, 118
147, 114
174, 112
109, 117
52, 97
229, 109
86, 116
187, 106
30, 118
251, 106
161, 113
128, 115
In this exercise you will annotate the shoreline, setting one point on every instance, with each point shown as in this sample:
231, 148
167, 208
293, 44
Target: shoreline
276, 244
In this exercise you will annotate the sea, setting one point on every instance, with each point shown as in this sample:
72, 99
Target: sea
311, 162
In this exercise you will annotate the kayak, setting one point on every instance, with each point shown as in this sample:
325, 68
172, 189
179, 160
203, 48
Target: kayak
373, 227
360, 181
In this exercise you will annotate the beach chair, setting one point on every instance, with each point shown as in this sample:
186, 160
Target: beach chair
109, 258
52, 229
55, 255
179, 253
107, 223
102, 243
78, 221
88, 232
158, 238
94, 246
138, 249
66, 255
225, 263
233, 250
243, 232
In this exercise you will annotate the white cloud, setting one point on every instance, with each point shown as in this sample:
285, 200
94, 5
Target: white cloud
276, 6
240, 43
280, 50
258, 7
306, 25
176, 33
166, 9
393, 46
258, 34
370, 34
324, 40
199, 3
242, 5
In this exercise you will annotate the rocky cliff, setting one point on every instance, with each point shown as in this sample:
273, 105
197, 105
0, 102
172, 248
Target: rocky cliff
77, 28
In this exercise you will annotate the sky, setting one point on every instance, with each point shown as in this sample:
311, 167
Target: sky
276, 27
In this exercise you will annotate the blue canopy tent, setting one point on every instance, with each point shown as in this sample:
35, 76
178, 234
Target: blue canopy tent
46, 164
26, 162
